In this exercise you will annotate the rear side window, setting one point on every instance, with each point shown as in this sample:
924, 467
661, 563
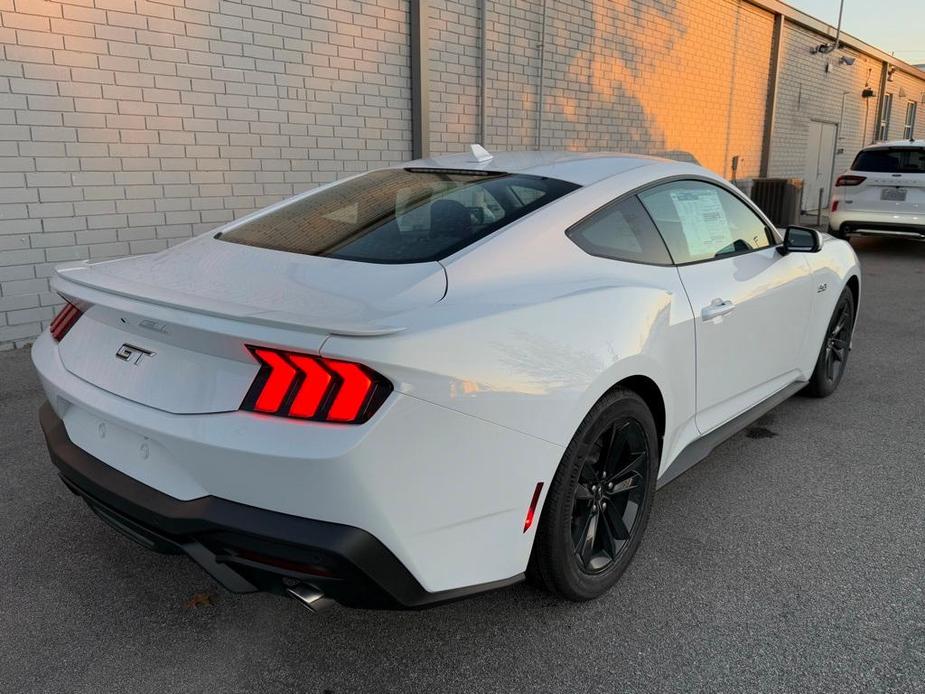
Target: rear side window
400, 215
622, 231
892, 160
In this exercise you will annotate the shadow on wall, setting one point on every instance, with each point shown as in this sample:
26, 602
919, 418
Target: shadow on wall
595, 97
684, 79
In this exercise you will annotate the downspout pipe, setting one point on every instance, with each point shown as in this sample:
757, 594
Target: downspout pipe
540, 106
483, 72
420, 78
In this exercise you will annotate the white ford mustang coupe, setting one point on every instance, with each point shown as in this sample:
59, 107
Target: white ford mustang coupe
435, 379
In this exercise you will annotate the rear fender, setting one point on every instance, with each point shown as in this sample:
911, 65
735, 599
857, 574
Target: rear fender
539, 368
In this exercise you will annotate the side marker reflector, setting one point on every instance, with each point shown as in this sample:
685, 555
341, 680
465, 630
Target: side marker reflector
528, 521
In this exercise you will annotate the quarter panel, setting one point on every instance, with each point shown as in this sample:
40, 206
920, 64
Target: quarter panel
536, 357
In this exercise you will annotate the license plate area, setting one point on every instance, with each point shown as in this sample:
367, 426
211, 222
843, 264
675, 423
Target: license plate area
131, 453
893, 194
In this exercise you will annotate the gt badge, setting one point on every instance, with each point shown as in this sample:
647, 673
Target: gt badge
133, 354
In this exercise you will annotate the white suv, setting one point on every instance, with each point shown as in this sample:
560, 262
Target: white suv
883, 193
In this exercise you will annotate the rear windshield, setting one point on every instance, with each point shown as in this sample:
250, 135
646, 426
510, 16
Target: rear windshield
893, 160
400, 215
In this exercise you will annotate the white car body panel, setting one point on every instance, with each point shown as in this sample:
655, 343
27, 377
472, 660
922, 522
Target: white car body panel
771, 299
496, 354
427, 502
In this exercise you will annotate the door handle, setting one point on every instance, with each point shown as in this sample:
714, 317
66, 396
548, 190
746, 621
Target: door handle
718, 307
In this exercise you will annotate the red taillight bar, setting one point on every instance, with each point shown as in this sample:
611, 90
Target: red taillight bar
64, 321
849, 180
303, 386
278, 382
355, 386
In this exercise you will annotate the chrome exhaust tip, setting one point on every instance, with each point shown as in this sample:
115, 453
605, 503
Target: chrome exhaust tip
310, 597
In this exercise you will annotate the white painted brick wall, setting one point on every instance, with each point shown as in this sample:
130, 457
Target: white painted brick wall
630, 76
905, 88
128, 125
806, 93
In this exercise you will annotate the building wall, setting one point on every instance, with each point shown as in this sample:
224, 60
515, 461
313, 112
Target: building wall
636, 76
455, 75
905, 88
128, 125
808, 92
653, 77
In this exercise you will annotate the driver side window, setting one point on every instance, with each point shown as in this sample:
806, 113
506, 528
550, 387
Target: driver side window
701, 221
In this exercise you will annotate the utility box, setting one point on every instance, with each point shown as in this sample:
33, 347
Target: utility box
779, 199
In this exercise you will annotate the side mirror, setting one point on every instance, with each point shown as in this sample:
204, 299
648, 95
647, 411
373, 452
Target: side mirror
800, 240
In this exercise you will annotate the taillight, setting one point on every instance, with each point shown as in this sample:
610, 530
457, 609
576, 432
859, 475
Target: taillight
302, 386
64, 321
849, 180
834, 206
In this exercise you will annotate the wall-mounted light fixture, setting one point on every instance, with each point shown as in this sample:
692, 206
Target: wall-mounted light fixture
868, 93
846, 60
836, 44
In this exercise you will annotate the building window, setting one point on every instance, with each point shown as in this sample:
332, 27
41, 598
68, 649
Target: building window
883, 130
909, 127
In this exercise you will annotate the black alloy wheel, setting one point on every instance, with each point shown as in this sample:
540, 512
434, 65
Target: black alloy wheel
836, 347
838, 342
609, 495
599, 500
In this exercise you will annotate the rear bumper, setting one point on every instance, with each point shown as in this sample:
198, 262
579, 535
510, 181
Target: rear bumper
246, 549
445, 492
878, 224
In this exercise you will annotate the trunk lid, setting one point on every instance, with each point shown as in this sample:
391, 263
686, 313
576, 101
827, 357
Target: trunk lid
170, 330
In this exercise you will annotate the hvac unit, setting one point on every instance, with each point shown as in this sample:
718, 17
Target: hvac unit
779, 199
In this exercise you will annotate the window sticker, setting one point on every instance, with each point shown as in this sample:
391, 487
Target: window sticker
704, 221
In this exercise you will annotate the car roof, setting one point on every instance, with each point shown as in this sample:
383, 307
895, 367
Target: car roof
892, 144
582, 168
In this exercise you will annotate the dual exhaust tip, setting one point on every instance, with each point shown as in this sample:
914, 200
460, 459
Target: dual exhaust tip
310, 597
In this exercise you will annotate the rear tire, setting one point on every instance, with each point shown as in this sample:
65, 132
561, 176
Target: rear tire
838, 233
833, 355
599, 501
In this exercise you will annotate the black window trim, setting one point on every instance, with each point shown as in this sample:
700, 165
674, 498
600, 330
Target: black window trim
768, 227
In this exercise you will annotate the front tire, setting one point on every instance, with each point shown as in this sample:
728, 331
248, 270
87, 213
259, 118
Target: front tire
833, 356
599, 501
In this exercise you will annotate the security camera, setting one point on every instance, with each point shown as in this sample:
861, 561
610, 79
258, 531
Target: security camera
845, 60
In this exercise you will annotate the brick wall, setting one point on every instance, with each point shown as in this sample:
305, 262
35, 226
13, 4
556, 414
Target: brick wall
905, 88
808, 92
688, 78
455, 76
127, 125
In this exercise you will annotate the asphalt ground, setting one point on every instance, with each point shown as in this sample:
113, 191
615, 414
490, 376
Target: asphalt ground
791, 560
